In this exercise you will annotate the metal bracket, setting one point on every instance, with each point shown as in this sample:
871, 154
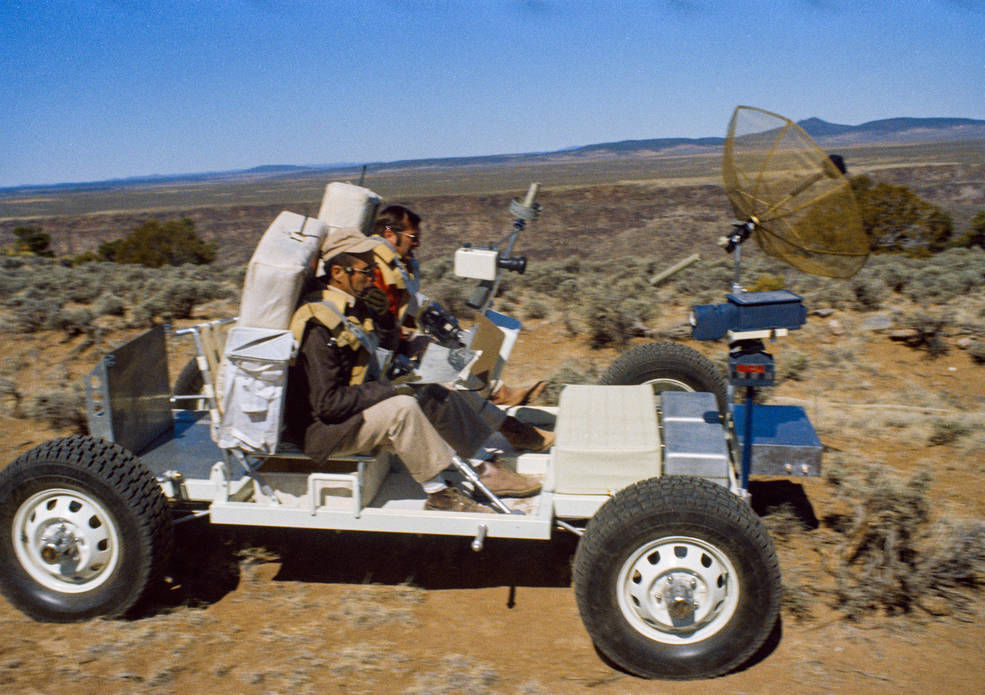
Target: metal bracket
480, 537
527, 213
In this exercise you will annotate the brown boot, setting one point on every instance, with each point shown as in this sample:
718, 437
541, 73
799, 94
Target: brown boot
504, 482
506, 395
453, 500
523, 436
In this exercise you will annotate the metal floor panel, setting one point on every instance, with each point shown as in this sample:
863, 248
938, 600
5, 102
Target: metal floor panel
188, 449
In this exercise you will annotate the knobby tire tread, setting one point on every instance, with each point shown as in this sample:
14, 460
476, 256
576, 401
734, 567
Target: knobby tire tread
682, 500
667, 359
123, 472
189, 381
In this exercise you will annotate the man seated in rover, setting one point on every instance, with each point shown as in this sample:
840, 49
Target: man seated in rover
393, 297
338, 402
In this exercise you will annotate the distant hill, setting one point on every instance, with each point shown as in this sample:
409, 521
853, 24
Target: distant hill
259, 173
895, 130
888, 130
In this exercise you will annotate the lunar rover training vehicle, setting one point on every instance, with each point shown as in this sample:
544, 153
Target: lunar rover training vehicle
675, 575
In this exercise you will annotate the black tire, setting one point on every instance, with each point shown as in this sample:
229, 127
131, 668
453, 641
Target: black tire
189, 382
84, 530
669, 367
685, 543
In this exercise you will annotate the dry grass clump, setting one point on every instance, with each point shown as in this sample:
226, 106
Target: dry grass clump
929, 330
884, 552
536, 309
365, 660
794, 366
60, 408
870, 290
953, 565
11, 397
372, 606
570, 372
947, 432
891, 556
455, 674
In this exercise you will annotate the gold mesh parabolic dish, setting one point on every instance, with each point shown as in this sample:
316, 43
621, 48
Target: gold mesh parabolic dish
804, 208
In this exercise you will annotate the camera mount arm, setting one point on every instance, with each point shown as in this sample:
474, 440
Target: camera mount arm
522, 212
741, 231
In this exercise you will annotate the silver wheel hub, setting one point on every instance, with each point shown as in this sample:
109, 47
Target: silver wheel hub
66, 540
60, 544
679, 596
677, 590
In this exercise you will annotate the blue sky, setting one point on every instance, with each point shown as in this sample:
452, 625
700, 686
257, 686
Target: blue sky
100, 89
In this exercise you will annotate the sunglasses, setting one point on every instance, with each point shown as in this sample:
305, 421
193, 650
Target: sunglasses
367, 271
412, 237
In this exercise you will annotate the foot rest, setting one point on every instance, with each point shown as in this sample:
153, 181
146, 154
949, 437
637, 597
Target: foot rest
343, 491
607, 439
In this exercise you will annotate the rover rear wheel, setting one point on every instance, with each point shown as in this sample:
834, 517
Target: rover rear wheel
190, 382
84, 530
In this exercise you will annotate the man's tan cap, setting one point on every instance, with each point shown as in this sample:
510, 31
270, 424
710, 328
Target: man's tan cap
344, 240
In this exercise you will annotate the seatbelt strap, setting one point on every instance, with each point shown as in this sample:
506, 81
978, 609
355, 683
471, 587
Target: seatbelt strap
379, 357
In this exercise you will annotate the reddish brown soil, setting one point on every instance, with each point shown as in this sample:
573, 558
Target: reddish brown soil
329, 613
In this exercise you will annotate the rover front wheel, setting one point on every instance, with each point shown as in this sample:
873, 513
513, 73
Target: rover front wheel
668, 366
84, 530
677, 578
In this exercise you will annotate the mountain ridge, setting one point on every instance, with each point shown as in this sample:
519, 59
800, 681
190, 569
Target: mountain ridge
899, 130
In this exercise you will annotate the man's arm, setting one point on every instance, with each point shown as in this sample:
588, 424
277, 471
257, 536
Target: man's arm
327, 368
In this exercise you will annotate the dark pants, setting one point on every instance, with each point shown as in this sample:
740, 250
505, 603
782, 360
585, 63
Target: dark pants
463, 419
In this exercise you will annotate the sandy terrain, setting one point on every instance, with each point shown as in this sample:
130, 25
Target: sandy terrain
290, 612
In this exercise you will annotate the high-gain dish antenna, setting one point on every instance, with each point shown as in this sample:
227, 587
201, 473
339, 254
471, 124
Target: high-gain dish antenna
795, 201
791, 196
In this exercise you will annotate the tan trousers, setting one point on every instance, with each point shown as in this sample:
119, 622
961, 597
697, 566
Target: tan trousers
398, 425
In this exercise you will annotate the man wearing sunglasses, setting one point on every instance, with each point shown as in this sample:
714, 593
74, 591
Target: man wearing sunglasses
339, 402
397, 283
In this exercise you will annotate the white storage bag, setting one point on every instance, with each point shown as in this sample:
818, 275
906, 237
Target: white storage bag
254, 379
280, 265
347, 205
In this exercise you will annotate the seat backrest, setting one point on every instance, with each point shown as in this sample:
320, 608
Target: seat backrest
251, 377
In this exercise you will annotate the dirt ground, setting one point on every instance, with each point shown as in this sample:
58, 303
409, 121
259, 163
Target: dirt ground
250, 612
